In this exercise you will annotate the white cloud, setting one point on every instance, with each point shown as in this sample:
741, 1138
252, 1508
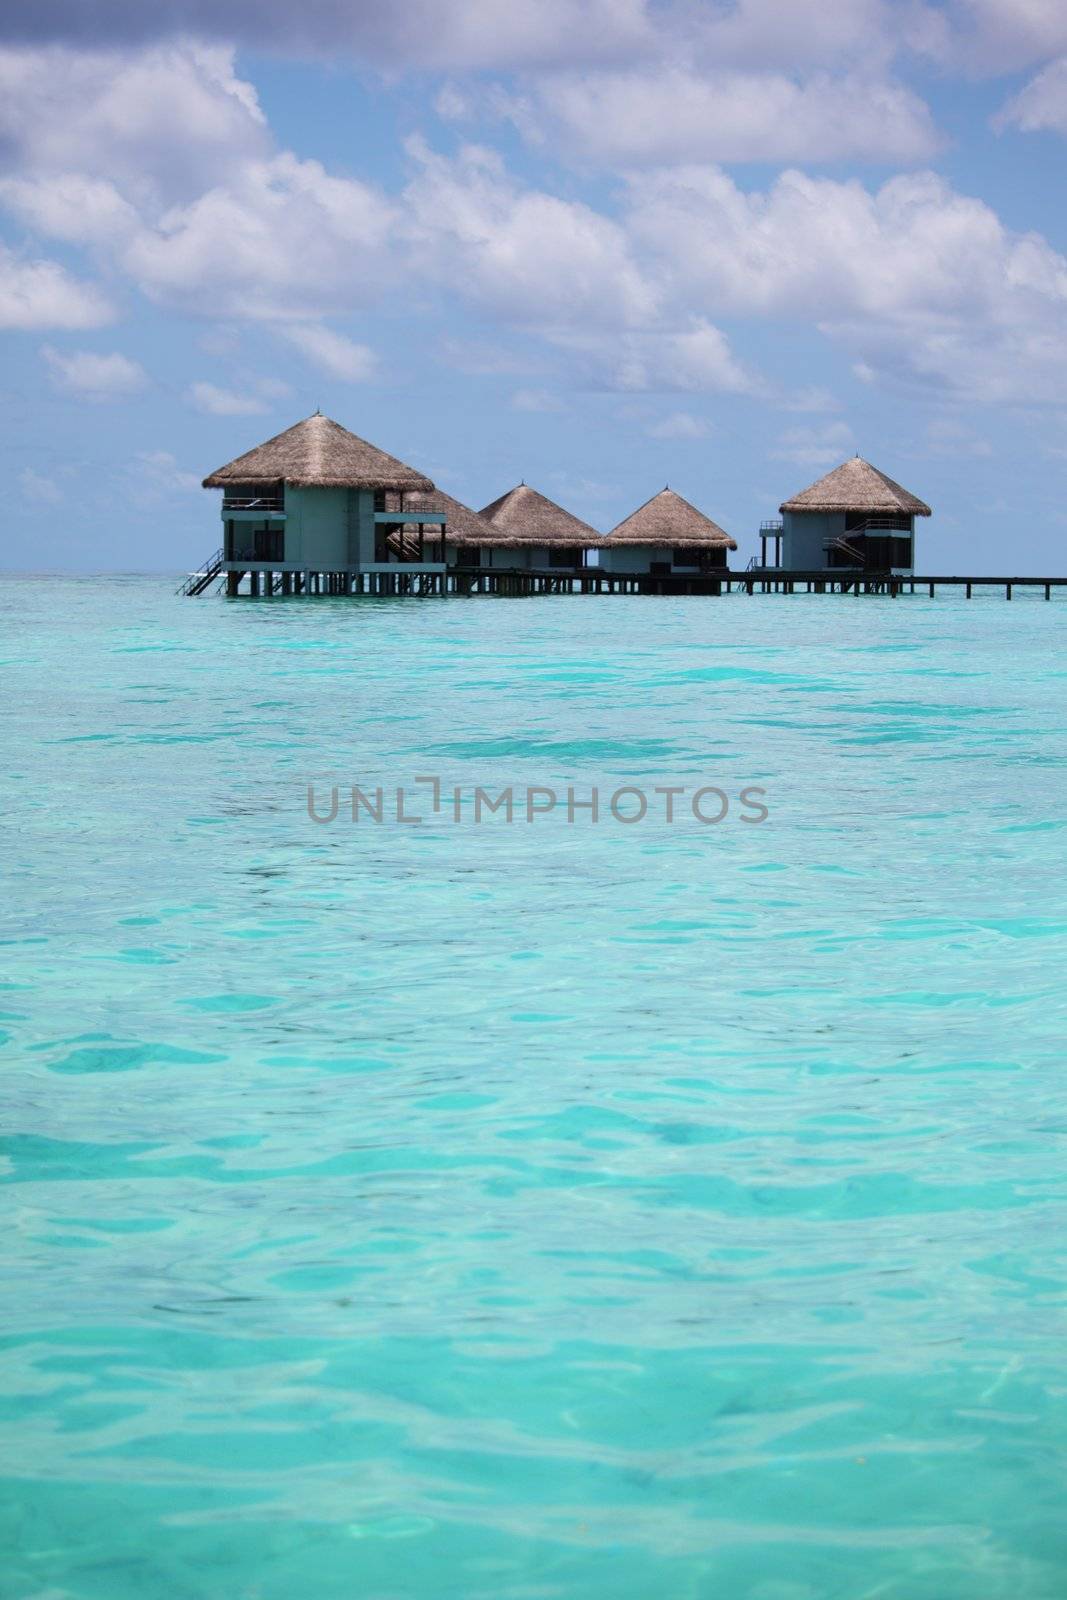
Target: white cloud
332, 352
94, 377
751, 80
917, 282
813, 246
915, 279
158, 124
522, 254
284, 238
37, 489
801, 34
1042, 104
692, 359
42, 294
71, 207
680, 425
275, 237
675, 114
218, 402
814, 447
162, 160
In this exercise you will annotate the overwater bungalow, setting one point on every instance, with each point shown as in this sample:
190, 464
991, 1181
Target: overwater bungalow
318, 503
531, 531
666, 536
853, 517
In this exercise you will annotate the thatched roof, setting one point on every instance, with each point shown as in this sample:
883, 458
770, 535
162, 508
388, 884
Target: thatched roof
463, 526
523, 517
667, 519
319, 454
857, 486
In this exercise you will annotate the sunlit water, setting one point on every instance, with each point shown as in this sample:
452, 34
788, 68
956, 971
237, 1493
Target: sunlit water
546, 1209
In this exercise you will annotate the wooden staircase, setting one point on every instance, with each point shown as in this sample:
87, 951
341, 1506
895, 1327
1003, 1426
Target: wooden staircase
842, 547
204, 576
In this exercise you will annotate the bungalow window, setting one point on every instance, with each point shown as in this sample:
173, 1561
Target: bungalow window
268, 544
563, 558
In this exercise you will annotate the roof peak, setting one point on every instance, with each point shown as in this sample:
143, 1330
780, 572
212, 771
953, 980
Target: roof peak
856, 485
668, 518
524, 512
318, 452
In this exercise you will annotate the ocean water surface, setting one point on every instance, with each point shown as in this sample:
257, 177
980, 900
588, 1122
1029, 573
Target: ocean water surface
535, 1209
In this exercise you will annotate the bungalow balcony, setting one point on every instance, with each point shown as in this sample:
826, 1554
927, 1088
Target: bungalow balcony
249, 544
250, 508
872, 544
770, 534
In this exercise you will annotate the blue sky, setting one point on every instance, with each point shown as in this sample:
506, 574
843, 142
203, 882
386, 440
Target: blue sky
601, 245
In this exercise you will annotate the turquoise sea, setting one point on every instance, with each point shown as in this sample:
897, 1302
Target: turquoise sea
511, 1211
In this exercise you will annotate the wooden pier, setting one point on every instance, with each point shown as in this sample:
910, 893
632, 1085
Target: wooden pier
402, 580
778, 580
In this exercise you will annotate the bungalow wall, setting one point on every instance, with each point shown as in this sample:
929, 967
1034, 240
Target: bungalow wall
805, 535
324, 530
630, 557
638, 558
327, 529
522, 558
